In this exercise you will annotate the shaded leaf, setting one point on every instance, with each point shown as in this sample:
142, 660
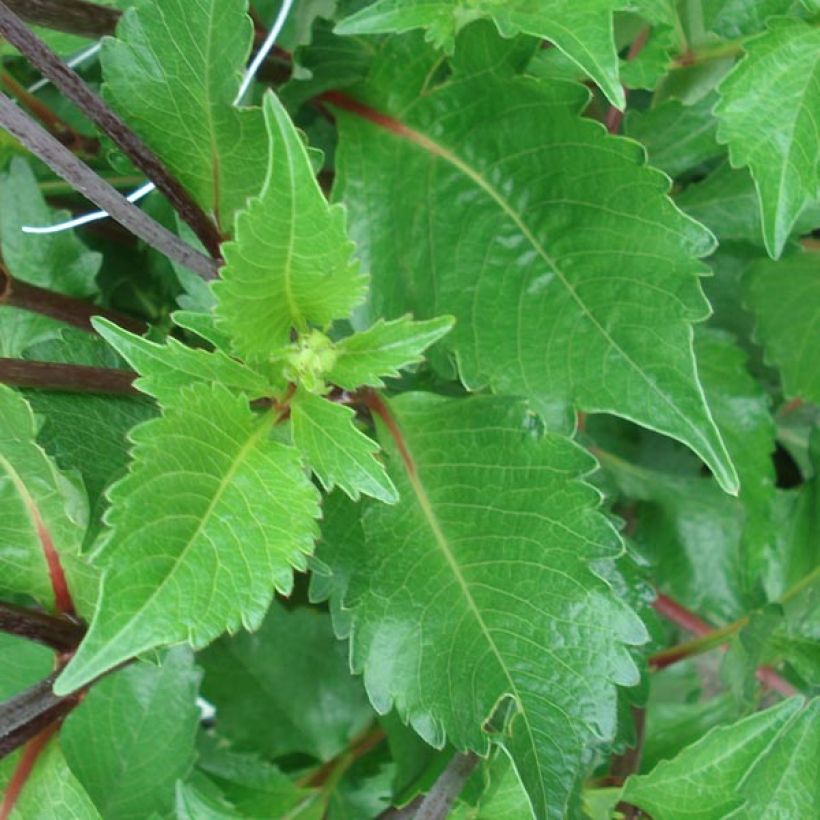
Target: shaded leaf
255, 681
232, 513
767, 114
783, 297
40, 508
133, 736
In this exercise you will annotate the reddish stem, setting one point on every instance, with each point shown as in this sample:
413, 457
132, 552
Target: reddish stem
673, 611
34, 748
615, 116
71, 378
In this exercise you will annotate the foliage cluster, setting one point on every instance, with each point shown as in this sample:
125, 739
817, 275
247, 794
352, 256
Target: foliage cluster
440, 438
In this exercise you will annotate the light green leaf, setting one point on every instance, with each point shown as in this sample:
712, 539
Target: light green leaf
24, 664
768, 117
192, 803
165, 369
784, 297
256, 681
764, 766
384, 349
338, 452
586, 299
213, 516
291, 263
582, 30
445, 592
730, 19
41, 511
677, 137
172, 73
133, 736
52, 792
59, 262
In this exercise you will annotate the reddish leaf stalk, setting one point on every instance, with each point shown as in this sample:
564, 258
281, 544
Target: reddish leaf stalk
708, 638
72, 85
615, 116
34, 748
77, 312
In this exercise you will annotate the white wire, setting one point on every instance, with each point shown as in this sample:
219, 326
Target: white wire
74, 61
247, 79
86, 218
270, 41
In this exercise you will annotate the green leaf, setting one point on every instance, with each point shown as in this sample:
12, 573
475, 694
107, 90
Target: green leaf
287, 688
783, 297
172, 73
133, 736
41, 511
677, 137
24, 664
730, 19
191, 803
86, 433
741, 409
166, 369
582, 30
588, 298
52, 792
384, 349
337, 451
763, 766
767, 115
443, 590
290, 265
213, 516
58, 261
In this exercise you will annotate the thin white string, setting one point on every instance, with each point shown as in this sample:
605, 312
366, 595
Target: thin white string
81, 57
144, 190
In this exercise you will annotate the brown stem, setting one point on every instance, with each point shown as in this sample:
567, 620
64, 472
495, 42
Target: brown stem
31, 753
93, 187
72, 85
359, 746
59, 634
437, 802
71, 378
77, 312
67, 135
71, 16
27, 714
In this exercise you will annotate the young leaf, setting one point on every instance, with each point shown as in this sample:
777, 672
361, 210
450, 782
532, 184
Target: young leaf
763, 766
767, 115
475, 593
255, 680
133, 736
783, 297
588, 298
53, 792
42, 513
212, 517
166, 369
582, 30
173, 73
291, 263
338, 452
384, 349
